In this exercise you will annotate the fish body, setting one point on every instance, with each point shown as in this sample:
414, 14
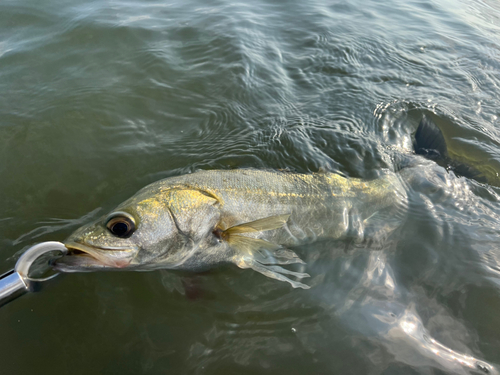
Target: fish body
252, 217
320, 205
247, 217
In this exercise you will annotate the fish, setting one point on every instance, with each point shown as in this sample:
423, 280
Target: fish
247, 217
254, 219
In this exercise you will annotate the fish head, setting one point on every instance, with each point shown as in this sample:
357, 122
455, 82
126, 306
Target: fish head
159, 227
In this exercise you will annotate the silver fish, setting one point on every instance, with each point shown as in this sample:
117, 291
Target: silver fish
247, 217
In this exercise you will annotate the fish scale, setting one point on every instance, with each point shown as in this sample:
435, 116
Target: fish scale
248, 195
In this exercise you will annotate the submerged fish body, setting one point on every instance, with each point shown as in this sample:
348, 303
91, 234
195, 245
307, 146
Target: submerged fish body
246, 217
252, 217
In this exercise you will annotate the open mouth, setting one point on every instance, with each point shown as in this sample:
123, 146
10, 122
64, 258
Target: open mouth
79, 250
81, 258
72, 251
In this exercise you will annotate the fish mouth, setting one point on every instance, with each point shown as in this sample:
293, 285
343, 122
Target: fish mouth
84, 258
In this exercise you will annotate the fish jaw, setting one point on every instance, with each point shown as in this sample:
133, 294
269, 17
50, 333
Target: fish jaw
84, 258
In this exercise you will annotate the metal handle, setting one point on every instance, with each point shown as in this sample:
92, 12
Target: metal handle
12, 286
17, 282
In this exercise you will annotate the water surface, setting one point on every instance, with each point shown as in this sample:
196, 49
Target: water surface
99, 98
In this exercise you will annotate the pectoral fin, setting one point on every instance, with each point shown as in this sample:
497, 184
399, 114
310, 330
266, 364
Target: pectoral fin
261, 225
260, 255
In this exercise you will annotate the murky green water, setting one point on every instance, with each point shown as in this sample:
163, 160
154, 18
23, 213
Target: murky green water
100, 98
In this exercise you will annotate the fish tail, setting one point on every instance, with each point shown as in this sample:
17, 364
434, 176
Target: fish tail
430, 143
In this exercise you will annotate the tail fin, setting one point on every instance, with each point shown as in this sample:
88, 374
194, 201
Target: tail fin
429, 141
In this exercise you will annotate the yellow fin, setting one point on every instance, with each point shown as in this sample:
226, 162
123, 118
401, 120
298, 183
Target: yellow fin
261, 225
249, 244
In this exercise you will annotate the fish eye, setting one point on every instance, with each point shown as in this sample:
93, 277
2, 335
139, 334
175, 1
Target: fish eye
120, 224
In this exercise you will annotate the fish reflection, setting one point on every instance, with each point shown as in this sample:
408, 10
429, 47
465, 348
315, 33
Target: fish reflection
373, 306
409, 327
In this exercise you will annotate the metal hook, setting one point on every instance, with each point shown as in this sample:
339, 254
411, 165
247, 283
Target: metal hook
26, 260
